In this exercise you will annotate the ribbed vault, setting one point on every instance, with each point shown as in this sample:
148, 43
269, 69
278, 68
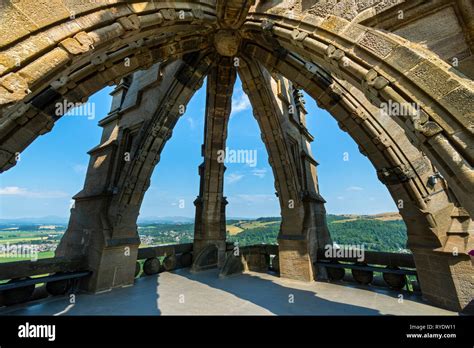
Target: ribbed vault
66, 52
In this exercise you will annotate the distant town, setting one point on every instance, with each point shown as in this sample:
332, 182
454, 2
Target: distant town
382, 232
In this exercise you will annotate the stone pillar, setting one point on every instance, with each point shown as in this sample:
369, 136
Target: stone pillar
210, 224
103, 223
298, 252
446, 280
446, 274
90, 230
280, 113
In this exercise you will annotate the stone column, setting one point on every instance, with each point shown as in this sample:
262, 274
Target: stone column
445, 273
90, 232
281, 115
102, 227
210, 224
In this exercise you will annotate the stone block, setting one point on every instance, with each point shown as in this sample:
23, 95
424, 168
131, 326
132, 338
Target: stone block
295, 261
43, 12
334, 24
403, 58
105, 34
377, 44
45, 66
461, 103
13, 25
432, 79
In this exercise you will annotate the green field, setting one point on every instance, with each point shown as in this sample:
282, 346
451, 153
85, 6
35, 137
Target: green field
43, 239
19, 239
41, 255
377, 233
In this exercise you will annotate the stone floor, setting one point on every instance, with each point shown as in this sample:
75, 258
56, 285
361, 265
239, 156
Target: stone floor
184, 293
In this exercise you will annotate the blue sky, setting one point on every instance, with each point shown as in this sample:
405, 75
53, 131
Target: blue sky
52, 169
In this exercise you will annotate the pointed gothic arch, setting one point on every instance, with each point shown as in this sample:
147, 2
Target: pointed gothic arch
69, 51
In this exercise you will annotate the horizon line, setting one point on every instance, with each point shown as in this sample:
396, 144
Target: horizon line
189, 217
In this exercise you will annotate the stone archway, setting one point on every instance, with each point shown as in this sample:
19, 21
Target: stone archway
431, 212
65, 52
282, 120
387, 68
102, 226
70, 50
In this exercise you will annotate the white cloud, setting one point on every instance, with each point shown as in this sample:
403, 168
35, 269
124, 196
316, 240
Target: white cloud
233, 177
355, 188
340, 198
241, 103
255, 198
259, 173
12, 190
23, 192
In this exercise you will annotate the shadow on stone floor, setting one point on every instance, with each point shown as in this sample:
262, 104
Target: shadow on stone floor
245, 294
122, 301
276, 297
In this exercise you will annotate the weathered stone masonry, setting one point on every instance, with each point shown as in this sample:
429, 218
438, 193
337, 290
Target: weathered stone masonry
351, 57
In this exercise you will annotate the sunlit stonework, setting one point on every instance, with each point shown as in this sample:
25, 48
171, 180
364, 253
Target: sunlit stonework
351, 57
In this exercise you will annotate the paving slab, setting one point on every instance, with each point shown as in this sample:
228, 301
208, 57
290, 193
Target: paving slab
184, 293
